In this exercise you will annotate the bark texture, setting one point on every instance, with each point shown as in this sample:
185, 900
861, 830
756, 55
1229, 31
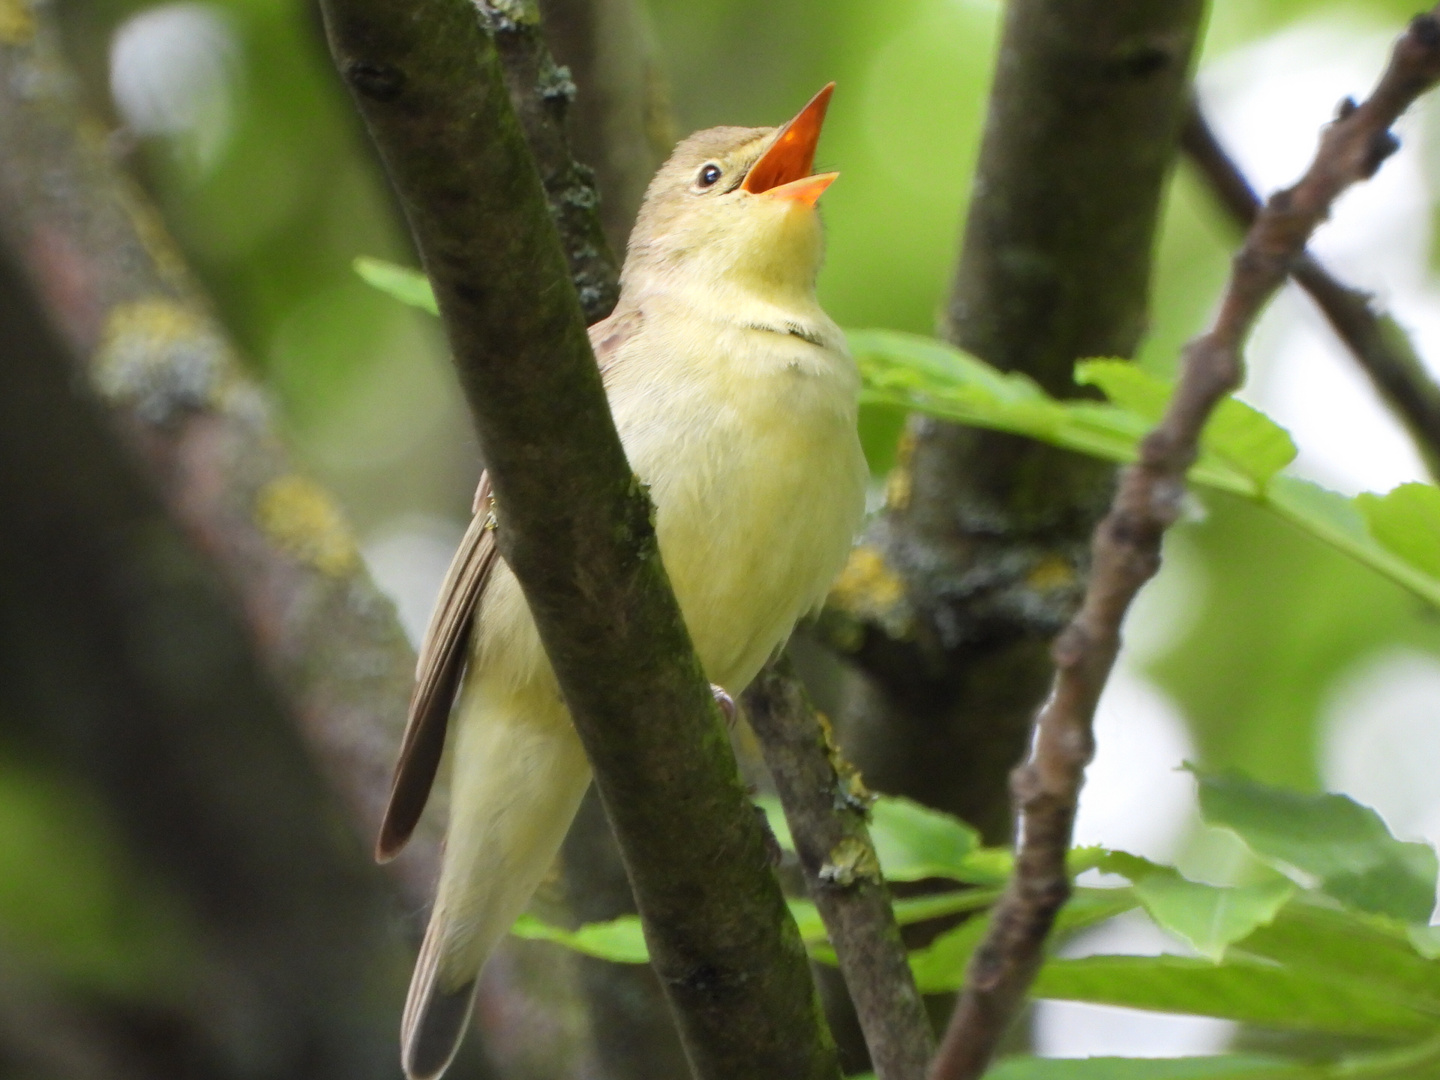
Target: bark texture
1126, 553
577, 529
980, 556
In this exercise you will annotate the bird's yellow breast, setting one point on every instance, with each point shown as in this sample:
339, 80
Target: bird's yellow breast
747, 438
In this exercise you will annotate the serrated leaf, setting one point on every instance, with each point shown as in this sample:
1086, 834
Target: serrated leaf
1240, 454
1222, 1067
1407, 522
1243, 437
1127, 385
1339, 522
1239, 989
1248, 439
1208, 917
1332, 837
940, 966
404, 284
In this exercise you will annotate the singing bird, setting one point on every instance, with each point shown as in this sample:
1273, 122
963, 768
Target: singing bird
735, 399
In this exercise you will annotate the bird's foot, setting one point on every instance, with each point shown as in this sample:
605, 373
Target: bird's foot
726, 703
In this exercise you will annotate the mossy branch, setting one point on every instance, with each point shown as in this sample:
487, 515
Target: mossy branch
826, 806
988, 532
576, 527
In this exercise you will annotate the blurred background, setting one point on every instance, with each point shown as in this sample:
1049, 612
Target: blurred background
1256, 647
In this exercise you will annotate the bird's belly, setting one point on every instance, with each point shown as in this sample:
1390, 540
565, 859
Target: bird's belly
755, 514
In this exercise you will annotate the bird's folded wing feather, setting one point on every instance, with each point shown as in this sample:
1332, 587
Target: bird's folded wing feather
437, 677
446, 647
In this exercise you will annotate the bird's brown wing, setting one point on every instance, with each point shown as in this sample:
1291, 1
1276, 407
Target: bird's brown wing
447, 639
437, 677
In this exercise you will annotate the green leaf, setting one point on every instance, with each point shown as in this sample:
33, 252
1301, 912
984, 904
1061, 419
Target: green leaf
1332, 837
1340, 522
1208, 917
1241, 452
1407, 522
1243, 437
1371, 951
915, 842
1239, 989
1223, 1067
408, 286
620, 940
940, 966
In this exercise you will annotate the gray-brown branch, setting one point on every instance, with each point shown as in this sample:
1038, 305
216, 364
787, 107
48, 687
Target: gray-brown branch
173, 384
1126, 553
826, 807
1383, 351
541, 92
979, 558
577, 529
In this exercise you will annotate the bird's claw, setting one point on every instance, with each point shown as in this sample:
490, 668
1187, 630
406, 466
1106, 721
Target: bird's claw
726, 703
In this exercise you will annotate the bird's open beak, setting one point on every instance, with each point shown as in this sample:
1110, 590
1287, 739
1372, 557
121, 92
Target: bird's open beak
783, 171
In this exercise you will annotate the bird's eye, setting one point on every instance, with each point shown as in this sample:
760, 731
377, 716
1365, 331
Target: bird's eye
708, 175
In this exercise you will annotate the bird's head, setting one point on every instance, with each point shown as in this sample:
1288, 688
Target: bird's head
733, 210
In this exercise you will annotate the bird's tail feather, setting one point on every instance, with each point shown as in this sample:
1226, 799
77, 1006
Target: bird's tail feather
518, 776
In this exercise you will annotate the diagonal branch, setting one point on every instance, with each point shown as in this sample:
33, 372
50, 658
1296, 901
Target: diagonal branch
826, 808
1379, 346
577, 529
1126, 553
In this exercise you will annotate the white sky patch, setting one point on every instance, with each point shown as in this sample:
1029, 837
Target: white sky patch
174, 72
408, 558
1268, 102
1381, 740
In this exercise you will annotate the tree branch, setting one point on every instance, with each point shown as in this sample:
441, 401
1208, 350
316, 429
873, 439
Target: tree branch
541, 93
1383, 351
112, 281
620, 124
1126, 553
980, 556
826, 807
577, 529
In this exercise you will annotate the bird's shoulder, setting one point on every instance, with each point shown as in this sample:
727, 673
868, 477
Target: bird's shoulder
610, 336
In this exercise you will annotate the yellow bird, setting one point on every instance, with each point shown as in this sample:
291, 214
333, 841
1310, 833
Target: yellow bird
735, 399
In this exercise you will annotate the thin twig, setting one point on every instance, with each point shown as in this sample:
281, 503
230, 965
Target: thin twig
826, 807
1126, 553
1380, 347
577, 529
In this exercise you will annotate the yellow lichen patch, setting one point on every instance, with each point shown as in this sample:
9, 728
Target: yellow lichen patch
867, 586
161, 357
17, 22
850, 861
897, 488
849, 785
899, 483
301, 518
156, 239
1050, 573
160, 320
